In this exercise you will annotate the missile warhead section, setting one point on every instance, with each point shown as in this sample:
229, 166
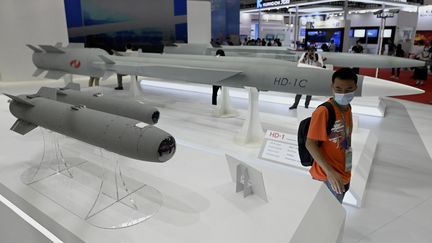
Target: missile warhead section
121, 135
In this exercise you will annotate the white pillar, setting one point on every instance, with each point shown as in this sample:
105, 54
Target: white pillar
381, 37
199, 22
347, 27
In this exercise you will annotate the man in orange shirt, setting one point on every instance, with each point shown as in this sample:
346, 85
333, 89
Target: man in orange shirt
332, 152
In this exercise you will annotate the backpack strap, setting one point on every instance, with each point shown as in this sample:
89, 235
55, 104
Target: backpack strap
332, 116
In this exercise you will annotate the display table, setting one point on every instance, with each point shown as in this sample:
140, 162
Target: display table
200, 203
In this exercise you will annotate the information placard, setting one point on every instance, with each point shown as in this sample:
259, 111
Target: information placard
281, 148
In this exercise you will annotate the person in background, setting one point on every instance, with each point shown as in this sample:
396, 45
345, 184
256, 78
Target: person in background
219, 53
332, 46
269, 43
391, 48
399, 53
421, 73
357, 48
94, 80
310, 58
325, 47
120, 76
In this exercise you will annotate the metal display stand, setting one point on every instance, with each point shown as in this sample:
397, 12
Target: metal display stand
100, 193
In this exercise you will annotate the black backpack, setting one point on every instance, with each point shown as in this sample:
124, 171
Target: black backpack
306, 158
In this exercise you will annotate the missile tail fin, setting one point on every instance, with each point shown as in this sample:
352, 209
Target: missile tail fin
73, 86
51, 49
49, 93
22, 127
38, 72
106, 59
35, 49
107, 75
54, 75
19, 100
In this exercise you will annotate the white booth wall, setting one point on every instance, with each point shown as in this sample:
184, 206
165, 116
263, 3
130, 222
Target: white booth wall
27, 22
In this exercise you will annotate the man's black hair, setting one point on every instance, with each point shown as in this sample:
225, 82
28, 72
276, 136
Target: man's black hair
345, 74
220, 52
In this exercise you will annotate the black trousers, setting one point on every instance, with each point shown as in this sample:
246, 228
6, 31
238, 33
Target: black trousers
120, 80
397, 72
214, 94
298, 97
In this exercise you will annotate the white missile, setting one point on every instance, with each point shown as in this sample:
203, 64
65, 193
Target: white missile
337, 59
262, 73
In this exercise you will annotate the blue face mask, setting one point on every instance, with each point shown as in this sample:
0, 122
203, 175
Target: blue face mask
344, 99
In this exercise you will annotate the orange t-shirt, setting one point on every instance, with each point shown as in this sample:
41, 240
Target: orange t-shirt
331, 147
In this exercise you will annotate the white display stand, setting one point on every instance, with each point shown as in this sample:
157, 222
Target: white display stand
252, 131
224, 108
135, 88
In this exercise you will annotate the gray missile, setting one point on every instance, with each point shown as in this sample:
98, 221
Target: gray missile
337, 59
263, 73
130, 108
121, 135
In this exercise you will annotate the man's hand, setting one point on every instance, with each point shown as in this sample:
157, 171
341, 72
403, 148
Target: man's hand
336, 181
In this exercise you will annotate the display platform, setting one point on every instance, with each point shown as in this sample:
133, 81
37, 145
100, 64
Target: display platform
200, 203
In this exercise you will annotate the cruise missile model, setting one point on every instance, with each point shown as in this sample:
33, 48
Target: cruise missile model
121, 135
263, 73
337, 59
130, 108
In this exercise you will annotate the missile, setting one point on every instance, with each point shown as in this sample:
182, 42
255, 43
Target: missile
337, 59
121, 135
130, 108
263, 73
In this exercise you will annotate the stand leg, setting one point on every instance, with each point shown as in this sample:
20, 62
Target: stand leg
135, 90
224, 107
252, 131
52, 162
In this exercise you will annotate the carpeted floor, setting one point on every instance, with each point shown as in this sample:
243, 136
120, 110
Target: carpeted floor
405, 78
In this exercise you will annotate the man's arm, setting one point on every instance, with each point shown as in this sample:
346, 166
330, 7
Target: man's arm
332, 176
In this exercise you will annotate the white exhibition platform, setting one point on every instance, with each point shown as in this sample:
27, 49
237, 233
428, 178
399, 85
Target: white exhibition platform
200, 203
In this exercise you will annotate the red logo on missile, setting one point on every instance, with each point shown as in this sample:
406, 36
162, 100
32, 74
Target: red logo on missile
75, 63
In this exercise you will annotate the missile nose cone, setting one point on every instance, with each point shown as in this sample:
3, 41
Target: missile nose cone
155, 117
167, 149
380, 87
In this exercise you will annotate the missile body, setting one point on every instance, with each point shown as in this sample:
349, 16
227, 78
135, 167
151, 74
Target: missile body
117, 134
337, 59
262, 73
130, 108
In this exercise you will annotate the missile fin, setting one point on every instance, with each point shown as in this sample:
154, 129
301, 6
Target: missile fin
54, 75
51, 49
49, 93
38, 72
19, 99
73, 86
35, 49
22, 127
107, 75
106, 59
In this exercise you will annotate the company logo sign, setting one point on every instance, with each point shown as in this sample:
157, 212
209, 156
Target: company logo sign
75, 63
262, 4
